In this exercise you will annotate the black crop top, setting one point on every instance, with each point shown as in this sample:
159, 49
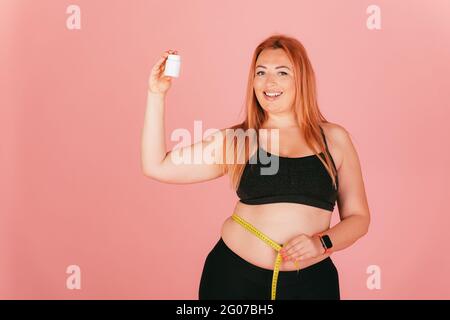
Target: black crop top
299, 180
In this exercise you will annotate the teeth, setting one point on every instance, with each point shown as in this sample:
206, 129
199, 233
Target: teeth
273, 94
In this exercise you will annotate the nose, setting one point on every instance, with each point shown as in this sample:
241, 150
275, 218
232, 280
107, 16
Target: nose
270, 80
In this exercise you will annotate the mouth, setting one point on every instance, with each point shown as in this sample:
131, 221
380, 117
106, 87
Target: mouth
272, 95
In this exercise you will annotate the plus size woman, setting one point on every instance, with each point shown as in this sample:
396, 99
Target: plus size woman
277, 242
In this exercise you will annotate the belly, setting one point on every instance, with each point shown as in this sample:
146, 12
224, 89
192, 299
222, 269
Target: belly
280, 222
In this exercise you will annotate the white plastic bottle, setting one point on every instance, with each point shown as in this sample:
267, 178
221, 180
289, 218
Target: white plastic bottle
172, 66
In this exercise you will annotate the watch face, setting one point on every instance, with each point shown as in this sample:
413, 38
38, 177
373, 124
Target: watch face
327, 241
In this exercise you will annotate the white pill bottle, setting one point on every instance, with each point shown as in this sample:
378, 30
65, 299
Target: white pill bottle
172, 66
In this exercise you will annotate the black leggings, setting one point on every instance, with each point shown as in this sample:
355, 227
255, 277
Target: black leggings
228, 276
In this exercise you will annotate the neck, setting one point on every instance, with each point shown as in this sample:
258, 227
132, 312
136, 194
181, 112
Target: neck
281, 121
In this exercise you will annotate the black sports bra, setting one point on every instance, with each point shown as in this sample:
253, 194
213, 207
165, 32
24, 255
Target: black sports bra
299, 180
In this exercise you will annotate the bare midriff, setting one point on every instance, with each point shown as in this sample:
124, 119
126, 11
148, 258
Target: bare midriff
279, 221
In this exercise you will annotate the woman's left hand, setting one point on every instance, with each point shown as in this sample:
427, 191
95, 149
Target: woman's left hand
302, 247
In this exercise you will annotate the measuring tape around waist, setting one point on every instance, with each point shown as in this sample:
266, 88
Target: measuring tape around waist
271, 243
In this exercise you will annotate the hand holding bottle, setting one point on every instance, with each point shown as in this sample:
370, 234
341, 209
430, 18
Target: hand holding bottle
158, 82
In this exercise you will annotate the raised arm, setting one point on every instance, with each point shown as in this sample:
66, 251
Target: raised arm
159, 164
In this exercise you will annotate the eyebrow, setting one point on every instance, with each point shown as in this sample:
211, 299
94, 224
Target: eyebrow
279, 67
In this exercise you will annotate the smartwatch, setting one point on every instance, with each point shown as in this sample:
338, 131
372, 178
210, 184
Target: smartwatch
326, 242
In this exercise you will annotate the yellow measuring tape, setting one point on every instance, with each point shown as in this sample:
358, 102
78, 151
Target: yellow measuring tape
271, 243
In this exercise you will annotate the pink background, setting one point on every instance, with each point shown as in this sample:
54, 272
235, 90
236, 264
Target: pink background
72, 111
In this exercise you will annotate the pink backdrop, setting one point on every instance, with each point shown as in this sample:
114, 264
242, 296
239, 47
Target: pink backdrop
72, 110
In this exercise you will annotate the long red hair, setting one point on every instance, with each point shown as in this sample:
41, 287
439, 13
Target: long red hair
305, 106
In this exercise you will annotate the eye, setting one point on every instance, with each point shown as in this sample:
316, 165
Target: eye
284, 73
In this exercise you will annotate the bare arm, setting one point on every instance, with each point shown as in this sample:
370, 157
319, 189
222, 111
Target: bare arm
352, 199
153, 146
159, 164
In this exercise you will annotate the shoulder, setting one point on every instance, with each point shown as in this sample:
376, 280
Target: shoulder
338, 140
230, 132
222, 136
335, 132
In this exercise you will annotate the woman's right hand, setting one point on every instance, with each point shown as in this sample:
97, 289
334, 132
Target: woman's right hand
158, 82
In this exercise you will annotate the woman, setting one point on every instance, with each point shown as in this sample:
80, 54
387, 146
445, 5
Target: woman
277, 242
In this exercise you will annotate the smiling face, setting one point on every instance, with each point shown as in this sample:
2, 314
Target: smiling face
274, 75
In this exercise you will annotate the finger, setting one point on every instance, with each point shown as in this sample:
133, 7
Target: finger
158, 63
163, 57
305, 256
300, 254
287, 246
291, 246
293, 252
300, 250
158, 75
